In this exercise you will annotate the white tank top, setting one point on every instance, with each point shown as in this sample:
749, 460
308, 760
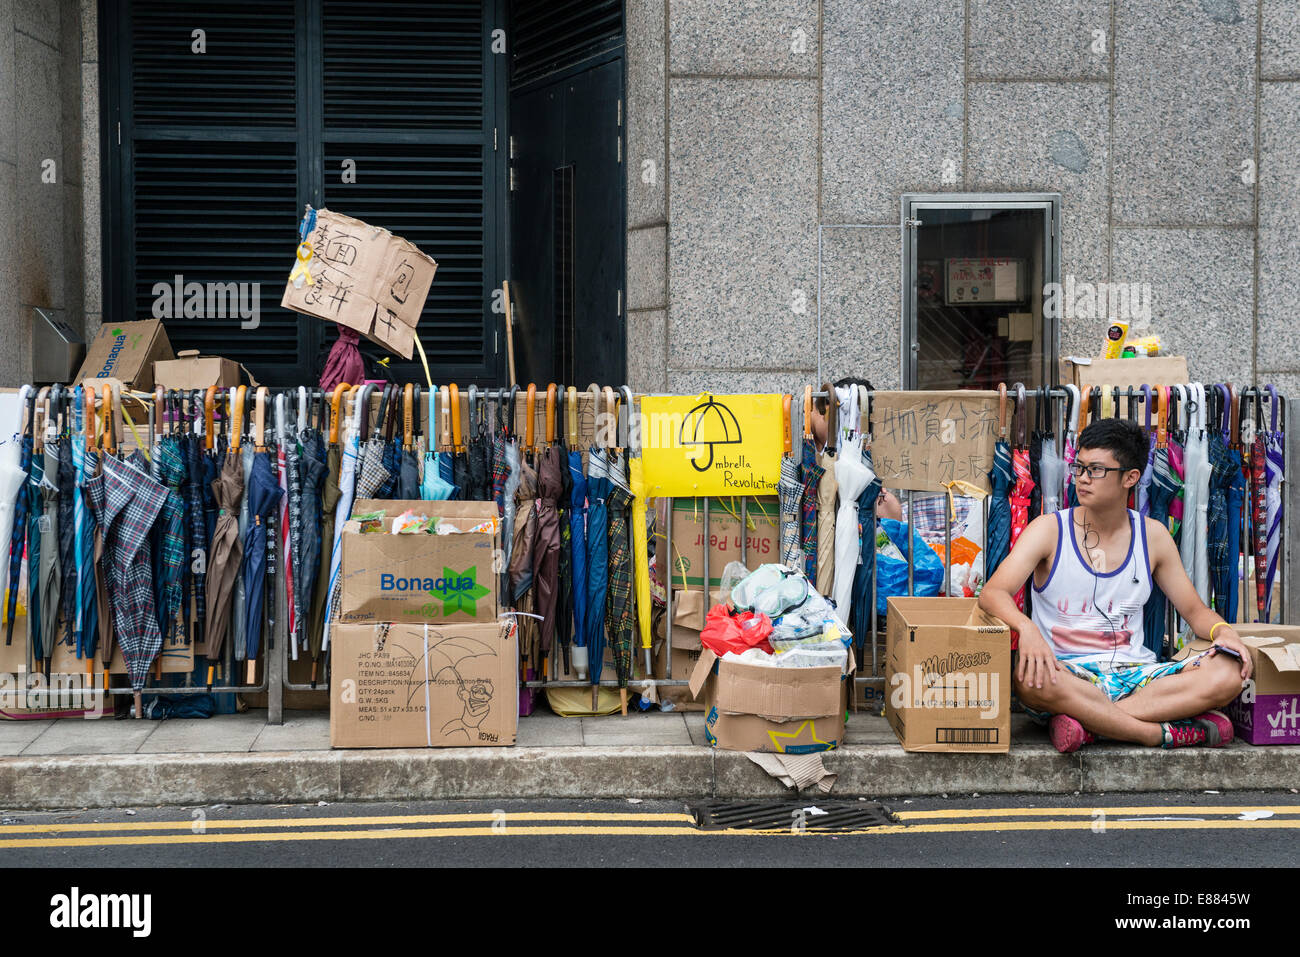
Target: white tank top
1089, 617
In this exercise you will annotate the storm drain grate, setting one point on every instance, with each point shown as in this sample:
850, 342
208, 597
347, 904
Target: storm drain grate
783, 815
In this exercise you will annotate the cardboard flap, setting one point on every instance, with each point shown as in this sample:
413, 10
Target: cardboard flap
701, 672
188, 354
778, 693
1259, 641
480, 511
1285, 658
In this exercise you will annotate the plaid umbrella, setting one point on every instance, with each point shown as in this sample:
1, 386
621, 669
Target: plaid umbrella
619, 593
172, 466
501, 470
198, 528
514, 462
790, 495
551, 465
127, 503
578, 549
812, 478
18, 534
860, 611
1274, 466
598, 491
35, 517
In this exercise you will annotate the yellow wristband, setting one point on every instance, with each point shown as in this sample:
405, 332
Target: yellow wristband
1219, 624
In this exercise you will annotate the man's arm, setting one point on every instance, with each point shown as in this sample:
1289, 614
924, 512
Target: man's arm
1167, 569
1036, 542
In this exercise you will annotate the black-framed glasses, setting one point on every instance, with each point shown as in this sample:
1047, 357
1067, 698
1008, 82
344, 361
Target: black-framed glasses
1094, 471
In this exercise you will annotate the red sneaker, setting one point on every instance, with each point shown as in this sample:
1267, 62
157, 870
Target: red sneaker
1217, 728
1067, 734
1181, 734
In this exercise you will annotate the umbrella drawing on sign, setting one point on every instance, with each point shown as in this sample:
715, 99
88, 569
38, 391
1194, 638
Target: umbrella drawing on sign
1019, 496
128, 502
706, 426
853, 477
577, 538
619, 587
812, 477
263, 495
598, 488
340, 484
1274, 465
18, 532
285, 437
445, 655
408, 466
789, 495
998, 531
227, 548
546, 542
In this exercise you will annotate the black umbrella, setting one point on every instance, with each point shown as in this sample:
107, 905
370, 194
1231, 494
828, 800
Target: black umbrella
392, 458
227, 549
408, 469
478, 452
311, 470
197, 520
459, 460
263, 501
18, 536
67, 480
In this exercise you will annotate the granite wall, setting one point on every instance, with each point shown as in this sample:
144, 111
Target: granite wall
1168, 127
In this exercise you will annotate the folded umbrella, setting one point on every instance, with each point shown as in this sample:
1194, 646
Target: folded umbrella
546, 541
313, 469
789, 496
860, 621
459, 458
812, 477
1259, 523
1274, 474
227, 550
433, 486
1164, 486
1196, 486
173, 547
478, 453
446, 450
1019, 497
564, 600
1142, 494
852, 476
17, 537
68, 571
998, 531
263, 495
619, 588
392, 449
578, 541
345, 446
500, 467
408, 468
1223, 580
35, 521
827, 492
50, 585
285, 441
598, 489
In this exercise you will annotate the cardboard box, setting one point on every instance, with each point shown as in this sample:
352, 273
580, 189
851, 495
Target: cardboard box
420, 577
762, 546
1268, 709
189, 370
363, 277
1157, 370
127, 351
780, 710
948, 677
685, 655
424, 686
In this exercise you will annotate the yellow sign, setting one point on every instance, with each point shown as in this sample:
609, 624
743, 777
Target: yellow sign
711, 444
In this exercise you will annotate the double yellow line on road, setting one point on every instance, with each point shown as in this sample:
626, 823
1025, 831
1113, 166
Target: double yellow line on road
620, 824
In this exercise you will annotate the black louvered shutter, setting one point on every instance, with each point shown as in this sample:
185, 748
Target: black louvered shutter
220, 150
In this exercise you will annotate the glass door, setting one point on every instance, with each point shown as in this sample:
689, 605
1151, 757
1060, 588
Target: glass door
974, 271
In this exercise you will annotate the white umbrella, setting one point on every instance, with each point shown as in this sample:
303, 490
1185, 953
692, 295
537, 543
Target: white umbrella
853, 476
351, 442
1196, 494
12, 475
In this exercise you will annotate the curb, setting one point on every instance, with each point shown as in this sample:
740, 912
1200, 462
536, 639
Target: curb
273, 777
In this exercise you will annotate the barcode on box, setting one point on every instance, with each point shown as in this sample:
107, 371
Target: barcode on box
965, 735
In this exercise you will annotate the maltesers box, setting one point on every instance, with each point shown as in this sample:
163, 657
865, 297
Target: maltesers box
362, 277
405, 685
1268, 709
420, 577
752, 707
948, 676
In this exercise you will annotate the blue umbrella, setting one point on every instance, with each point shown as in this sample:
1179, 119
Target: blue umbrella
998, 531
1223, 579
263, 496
598, 489
578, 550
433, 486
18, 536
171, 521
84, 461
1164, 486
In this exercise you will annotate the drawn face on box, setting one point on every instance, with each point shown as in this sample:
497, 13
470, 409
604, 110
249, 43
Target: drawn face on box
477, 698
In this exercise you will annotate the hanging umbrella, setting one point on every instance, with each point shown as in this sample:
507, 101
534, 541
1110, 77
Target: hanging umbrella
1019, 496
478, 453
1142, 495
84, 460
1042, 404
284, 437
18, 520
392, 454
598, 490
459, 457
227, 549
35, 518
371, 473
1051, 465
293, 470
1235, 500
789, 496
827, 491
340, 486
197, 551
640, 542
432, 484
49, 587
564, 599
127, 503
408, 466
1259, 524
68, 550
500, 467
551, 465
1222, 465
853, 476
1164, 486
212, 458
1070, 444
172, 473
860, 611
313, 470
812, 477
998, 530
1196, 483
240, 618
514, 462
263, 497
446, 450
577, 539
1274, 468
619, 586
520, 567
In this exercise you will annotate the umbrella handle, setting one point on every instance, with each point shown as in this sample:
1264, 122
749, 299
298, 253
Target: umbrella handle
629, 401
408, 417
336, 401
454, 392
209, 415
1273, 403
786, 400
89, 396
1146, 403
444, 417
302, 408
1002, 411
530, 411
416, 418
571, 413
595, 412
108, 438
259, 419
807, 412
550, 414
1021, 413
1162, 416
611, 410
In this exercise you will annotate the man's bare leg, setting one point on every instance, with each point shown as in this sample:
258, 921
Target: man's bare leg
1086, 703
1201, 686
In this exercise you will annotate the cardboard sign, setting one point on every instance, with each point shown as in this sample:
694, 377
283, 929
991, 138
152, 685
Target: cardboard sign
919, 440
423, 686
711, 444
948, 677
362, 277
1268, 709
420, 577
127, 351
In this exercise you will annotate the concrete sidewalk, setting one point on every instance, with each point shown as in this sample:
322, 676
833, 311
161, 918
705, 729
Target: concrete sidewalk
240, 758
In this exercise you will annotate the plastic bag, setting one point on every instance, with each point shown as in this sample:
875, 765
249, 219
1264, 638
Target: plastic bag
734, 573
772, 590
891, 572
725, 631
811, 619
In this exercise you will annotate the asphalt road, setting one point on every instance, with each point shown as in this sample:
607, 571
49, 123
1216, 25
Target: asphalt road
1233, 829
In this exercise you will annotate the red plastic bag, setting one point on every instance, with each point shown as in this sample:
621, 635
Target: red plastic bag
725, 630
